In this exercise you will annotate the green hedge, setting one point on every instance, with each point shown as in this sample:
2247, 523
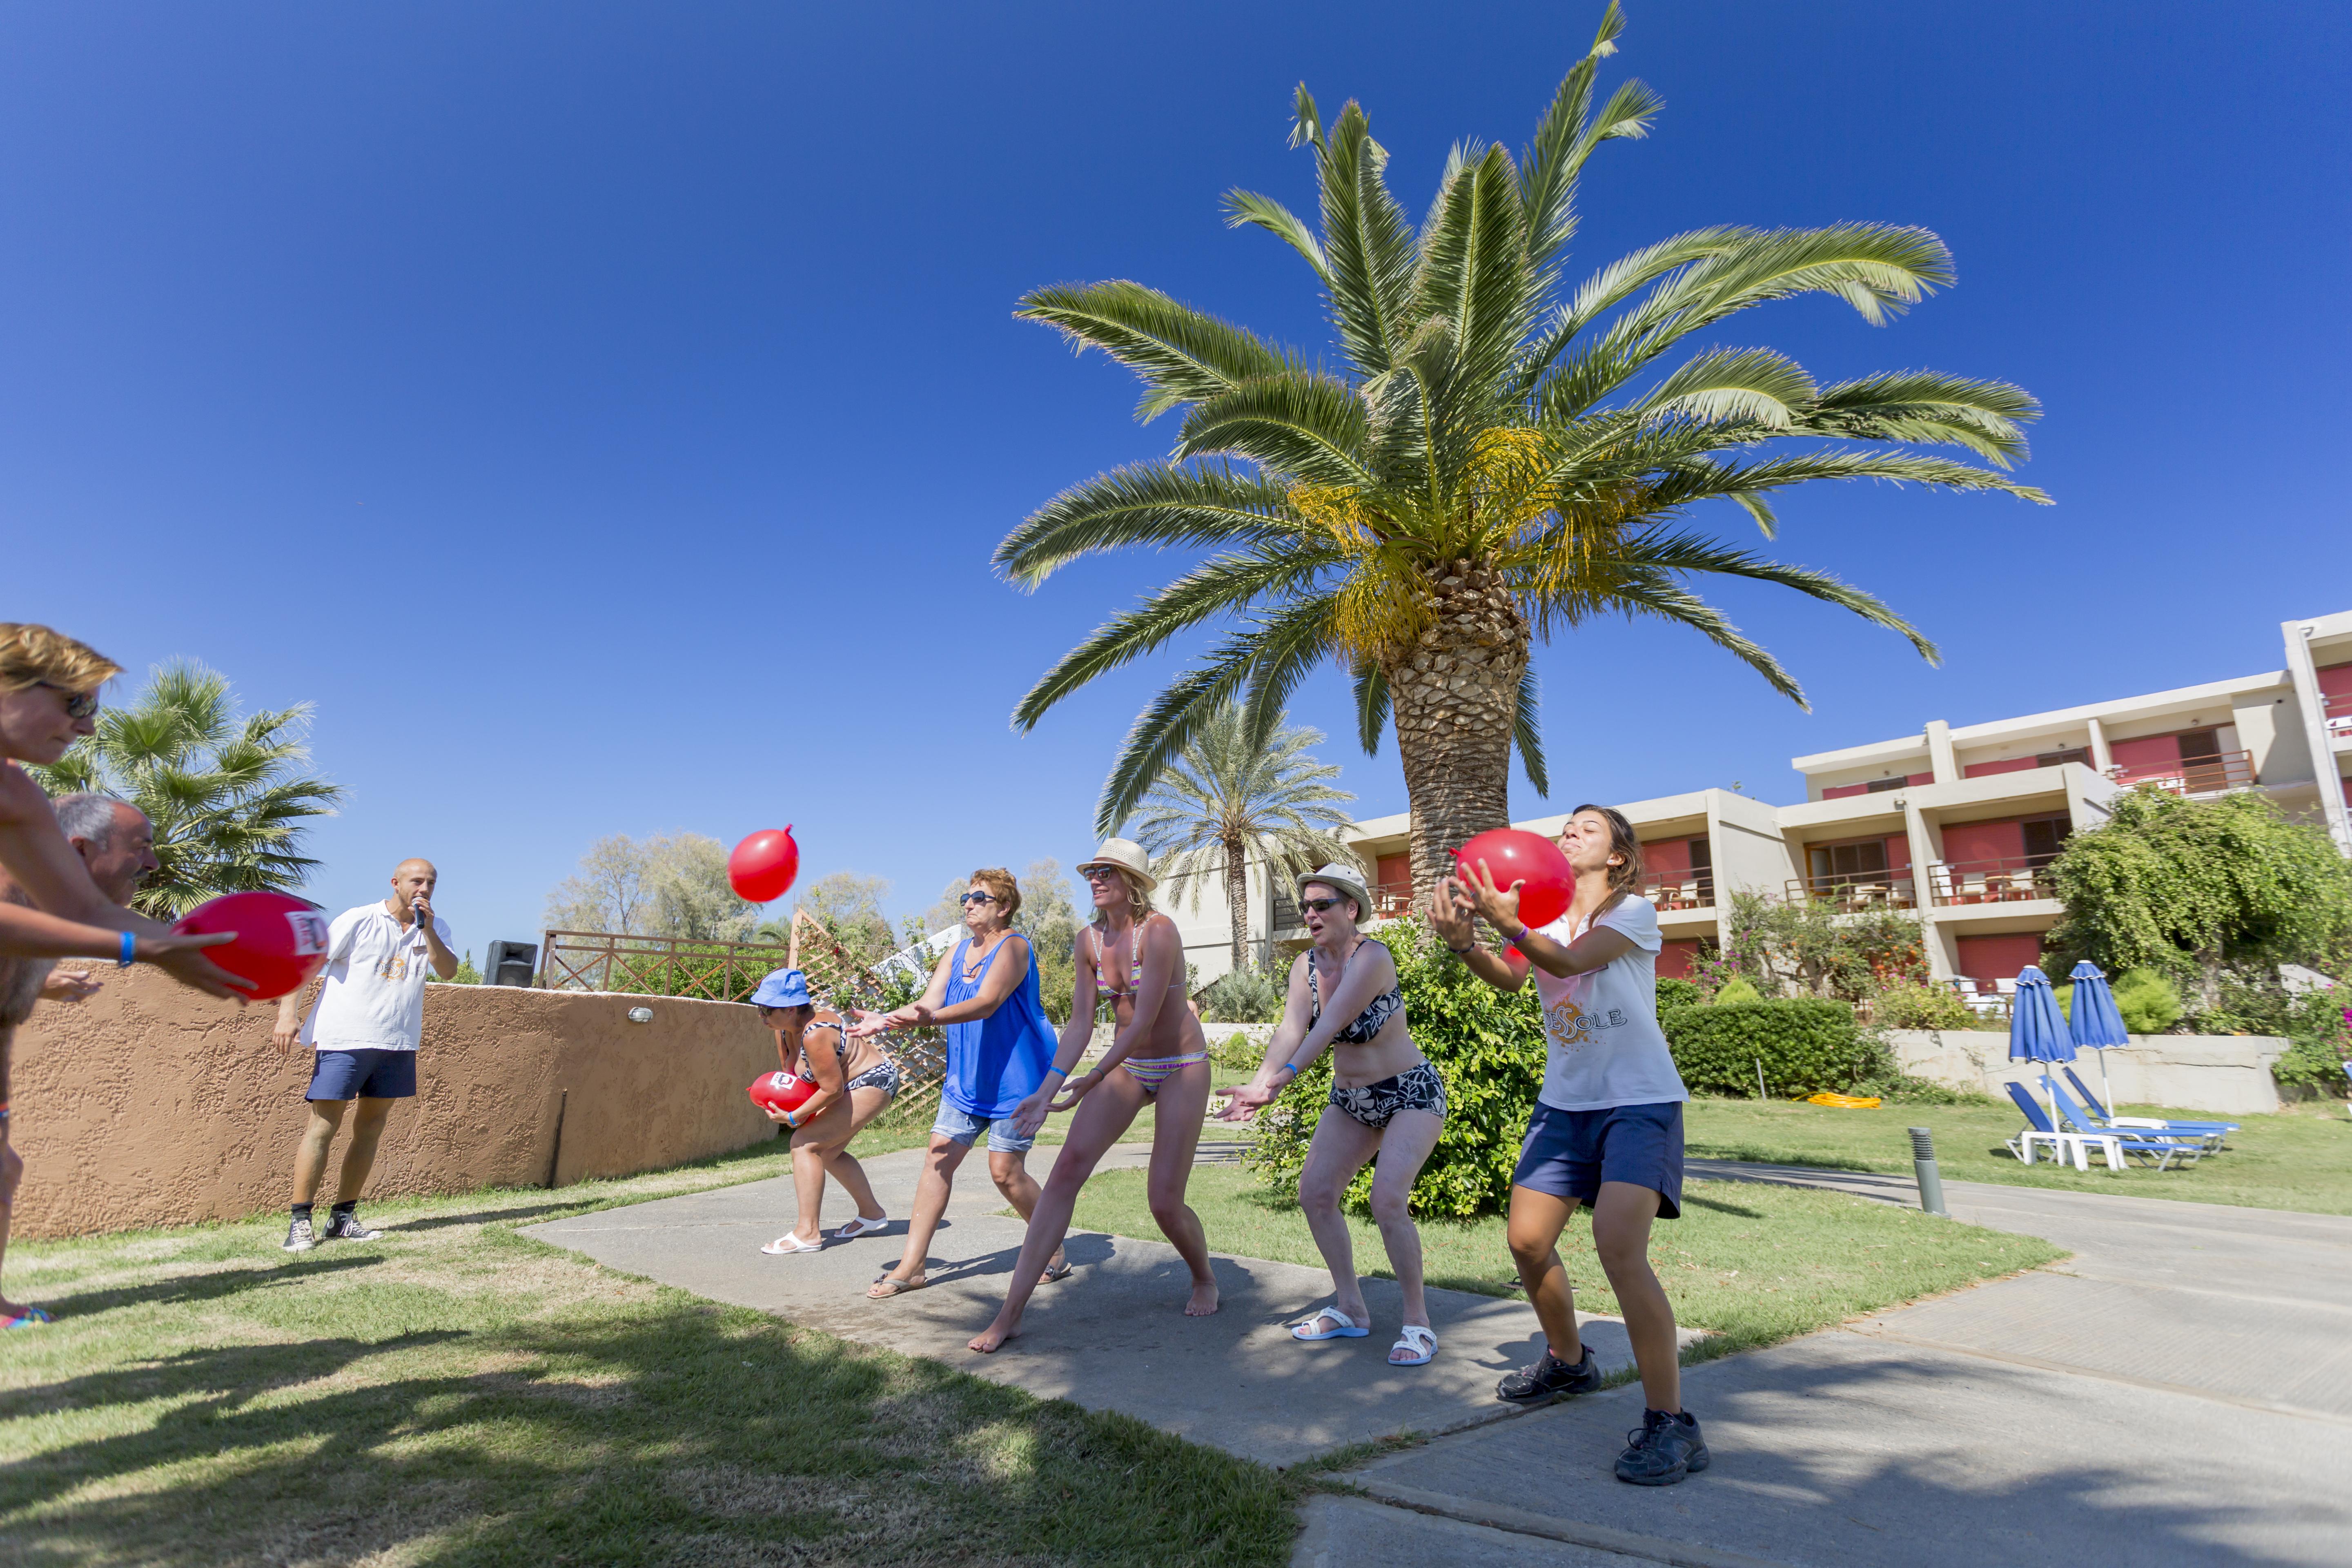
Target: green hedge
1806, 1046
1486, 1044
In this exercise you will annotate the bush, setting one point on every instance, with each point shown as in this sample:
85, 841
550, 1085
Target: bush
1245, 996
1239, 1052
1679, 993
1736, 990
1806, 1046
2147, 1001
1486, 1044
2253, 1002
1923, 1007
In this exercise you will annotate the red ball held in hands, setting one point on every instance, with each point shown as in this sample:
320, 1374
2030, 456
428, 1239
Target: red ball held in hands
762, 867
1513, 856
780, 1091
280, 942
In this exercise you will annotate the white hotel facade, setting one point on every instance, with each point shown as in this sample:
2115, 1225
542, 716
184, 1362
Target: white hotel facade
1955, 824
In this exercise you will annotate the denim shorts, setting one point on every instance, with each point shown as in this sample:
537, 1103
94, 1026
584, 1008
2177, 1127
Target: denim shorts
964, 1128
367, 1074
1569, 1153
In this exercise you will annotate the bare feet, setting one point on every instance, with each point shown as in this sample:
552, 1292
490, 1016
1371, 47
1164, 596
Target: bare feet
1204, 1299
995, 1334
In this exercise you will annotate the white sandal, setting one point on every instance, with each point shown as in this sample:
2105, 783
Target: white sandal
1348, 1329
1418, 1343
861, 1226
790, 1242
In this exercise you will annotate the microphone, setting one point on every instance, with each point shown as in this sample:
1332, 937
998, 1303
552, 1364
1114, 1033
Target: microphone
417, 911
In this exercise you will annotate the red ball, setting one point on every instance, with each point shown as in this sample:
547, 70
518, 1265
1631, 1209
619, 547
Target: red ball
762, 867
280, 942
1529, 858
780, 1091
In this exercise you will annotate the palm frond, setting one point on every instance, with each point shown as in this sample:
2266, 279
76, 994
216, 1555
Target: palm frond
1180, 353
1925, 407
1371, 706
1526, 734
1367, 242
1753, 385
1160, 505
1304, 424
1264, 212
1474, 269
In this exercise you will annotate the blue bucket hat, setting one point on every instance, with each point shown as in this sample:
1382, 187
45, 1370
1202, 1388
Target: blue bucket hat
783, 988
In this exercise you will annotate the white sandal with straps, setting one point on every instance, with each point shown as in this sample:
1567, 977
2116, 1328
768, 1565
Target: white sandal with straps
1346, 1327
1418, 1343
861, 1226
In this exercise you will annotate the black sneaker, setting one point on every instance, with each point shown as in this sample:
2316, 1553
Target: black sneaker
1664, 1450
300, 1236
346, 1226
1549, 1379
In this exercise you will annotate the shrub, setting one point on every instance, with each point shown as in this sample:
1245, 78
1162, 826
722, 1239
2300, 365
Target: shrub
1923, 1007
1806, 1046
1486, 1044
1245, 996
1239, 1052
1678, 993
1736, 989
2147, 1001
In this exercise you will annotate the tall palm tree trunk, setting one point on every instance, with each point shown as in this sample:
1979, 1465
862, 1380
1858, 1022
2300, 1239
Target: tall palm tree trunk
1456, 696
1237, 900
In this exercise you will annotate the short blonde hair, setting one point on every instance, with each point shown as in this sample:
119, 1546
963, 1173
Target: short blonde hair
32, 655
1138, 899
1000, 881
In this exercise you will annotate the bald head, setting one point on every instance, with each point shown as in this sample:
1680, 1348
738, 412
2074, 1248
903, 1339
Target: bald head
411, 880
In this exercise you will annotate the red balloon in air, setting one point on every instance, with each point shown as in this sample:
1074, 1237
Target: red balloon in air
280, 942
780, 1091
762, 867
1513, 856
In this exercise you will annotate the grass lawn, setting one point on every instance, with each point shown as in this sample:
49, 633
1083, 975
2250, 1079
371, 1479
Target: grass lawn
457, 1393
1754, 1264
2298, 1159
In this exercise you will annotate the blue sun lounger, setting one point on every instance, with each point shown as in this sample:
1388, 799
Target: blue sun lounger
2143, 1123
2075, 1119
2078, 1145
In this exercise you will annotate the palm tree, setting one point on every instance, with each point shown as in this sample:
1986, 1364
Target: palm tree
1497, 460
1230, 797
229, 796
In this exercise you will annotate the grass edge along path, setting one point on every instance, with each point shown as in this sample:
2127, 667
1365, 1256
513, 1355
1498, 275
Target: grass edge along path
457, 1394
1753, 1264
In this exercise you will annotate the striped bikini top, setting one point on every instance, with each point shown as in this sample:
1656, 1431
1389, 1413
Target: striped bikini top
1372, 1019
1135, 964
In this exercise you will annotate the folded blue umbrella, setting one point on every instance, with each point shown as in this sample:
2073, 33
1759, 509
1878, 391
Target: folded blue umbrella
2095, 1026
2037, 1030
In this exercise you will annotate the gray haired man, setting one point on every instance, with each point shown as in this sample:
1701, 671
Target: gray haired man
116, 842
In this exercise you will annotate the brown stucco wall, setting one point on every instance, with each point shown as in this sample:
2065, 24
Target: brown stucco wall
151, 1105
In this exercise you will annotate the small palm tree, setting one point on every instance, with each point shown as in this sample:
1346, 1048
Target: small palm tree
1231, 797
230, 798
1497, 460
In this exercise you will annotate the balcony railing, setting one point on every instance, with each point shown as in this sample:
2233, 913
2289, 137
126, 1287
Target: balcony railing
1990, 881
1986, 998
1681, 890
1854, 892
2200, 775
2338, 711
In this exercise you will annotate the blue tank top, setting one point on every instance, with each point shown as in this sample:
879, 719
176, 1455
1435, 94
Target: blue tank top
995, 1063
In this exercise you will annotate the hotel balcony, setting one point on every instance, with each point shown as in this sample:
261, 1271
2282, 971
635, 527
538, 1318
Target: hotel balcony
1857, 892
1681, 891
2005, 881
2193, 775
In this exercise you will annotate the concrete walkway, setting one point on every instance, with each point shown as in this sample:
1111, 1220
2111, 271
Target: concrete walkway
1111, 1337
2179, 1392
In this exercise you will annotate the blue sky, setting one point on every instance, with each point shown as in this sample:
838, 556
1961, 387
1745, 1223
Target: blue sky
605, 413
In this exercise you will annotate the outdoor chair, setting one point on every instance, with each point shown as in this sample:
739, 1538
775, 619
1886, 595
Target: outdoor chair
2099, 1113
2078, 1145
2207, 1138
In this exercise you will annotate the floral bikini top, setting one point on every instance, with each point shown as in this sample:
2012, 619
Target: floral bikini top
1371, 1020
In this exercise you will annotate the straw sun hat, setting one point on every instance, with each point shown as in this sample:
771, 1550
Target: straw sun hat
1128, 856
1345, 879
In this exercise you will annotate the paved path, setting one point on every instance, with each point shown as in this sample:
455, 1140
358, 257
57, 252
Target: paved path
2179, 1392
1112, 1336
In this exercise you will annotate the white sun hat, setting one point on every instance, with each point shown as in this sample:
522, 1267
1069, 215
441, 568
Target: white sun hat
1347, 880
1128, 856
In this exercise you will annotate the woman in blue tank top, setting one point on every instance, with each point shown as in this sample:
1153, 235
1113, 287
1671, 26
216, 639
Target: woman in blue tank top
984, 997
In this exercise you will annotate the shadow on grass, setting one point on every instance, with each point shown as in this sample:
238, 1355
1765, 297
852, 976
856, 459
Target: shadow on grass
193, 1289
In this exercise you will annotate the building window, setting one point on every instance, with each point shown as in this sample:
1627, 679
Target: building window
1880, 787
2044, 837
2071, 754
1841, 864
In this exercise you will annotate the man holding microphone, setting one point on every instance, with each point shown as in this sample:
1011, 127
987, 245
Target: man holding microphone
364, 1028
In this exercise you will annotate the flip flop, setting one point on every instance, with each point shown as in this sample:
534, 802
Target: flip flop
790, 1242
897, 1287
1418, 1343
1348, 1329
861, 1226
32, 1317
1062, 1270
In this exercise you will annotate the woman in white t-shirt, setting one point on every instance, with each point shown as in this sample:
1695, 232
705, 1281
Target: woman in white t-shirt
1608, 1125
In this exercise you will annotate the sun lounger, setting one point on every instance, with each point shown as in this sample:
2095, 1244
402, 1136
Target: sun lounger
2213, 1130
2074, 1120
2163, 1152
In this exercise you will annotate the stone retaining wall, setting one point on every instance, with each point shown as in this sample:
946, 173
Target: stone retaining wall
2226, 1073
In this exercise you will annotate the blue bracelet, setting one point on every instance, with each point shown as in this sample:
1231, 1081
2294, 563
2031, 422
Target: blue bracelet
130, 952
1064, 1071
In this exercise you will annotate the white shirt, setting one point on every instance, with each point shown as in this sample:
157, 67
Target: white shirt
1603, 1043
374, 996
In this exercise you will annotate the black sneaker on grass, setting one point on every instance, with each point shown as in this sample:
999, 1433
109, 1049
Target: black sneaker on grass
346, 1226
300, 1236
1665, 1449
1549, 1379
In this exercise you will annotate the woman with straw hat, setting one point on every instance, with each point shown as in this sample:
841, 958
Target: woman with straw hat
1158, 1057
1389, 1100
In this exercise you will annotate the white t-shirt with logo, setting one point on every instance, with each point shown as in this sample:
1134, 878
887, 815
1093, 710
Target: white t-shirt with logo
1604, 1046
373, 999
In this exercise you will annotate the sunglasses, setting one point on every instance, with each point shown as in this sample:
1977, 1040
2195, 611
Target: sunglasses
1319, 905
78, 704
978, 898
1099, 873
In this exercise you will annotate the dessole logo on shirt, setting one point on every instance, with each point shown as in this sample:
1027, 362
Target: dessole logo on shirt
1572, 1027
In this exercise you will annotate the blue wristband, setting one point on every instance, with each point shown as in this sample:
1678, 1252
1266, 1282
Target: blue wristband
1063, 1071
130, 952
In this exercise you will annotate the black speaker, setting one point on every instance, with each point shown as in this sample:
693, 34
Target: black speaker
511, 962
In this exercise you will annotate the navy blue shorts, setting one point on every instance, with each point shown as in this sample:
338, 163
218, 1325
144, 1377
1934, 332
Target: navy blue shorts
1569, 1153
362, 1075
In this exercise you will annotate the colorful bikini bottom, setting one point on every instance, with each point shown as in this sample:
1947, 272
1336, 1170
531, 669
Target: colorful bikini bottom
1153, 1071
